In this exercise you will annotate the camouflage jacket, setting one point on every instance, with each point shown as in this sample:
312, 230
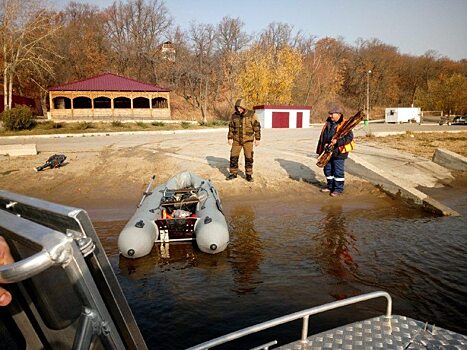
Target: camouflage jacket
244, 127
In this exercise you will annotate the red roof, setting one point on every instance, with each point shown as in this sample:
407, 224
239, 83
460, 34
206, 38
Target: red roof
282, 107
108, 82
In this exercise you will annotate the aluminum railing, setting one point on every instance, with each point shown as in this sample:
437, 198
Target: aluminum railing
305, 314
56, 249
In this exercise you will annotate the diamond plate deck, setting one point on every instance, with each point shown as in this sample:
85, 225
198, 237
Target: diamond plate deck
397, 332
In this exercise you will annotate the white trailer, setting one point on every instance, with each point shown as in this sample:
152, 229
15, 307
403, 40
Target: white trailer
402, 115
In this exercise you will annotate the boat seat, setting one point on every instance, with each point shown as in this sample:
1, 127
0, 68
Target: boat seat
179, 203
185, 190
180, 198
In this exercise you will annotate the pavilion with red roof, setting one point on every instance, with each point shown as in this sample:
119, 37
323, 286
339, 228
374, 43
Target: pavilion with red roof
109, 97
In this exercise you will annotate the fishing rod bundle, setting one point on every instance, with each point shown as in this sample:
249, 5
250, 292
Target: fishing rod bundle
347, 127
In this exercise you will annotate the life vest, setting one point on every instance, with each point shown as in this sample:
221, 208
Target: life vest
348, 146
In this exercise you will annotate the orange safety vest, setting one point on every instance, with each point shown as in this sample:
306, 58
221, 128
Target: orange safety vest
348, 146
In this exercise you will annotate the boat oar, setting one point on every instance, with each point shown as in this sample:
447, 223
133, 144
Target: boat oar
146, 193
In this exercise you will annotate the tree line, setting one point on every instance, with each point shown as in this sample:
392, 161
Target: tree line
213, 64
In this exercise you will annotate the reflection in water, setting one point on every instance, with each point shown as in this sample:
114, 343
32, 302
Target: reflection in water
169, 256
285, 256
246, 250
338, 244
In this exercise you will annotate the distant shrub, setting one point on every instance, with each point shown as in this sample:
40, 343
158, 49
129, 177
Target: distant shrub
158, 124
18, 118
84, 126
185, 125
142, 125
117, 123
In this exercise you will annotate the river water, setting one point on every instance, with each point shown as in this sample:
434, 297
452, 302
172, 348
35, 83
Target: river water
292, 255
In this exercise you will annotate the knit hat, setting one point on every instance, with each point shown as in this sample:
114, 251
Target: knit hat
336, 109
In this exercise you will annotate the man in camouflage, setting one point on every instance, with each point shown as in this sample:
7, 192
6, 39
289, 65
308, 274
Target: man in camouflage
244, 131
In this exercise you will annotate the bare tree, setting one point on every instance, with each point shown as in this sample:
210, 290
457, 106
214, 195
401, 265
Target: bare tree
231, 40
26, 29
135, 30
279, 35
203, 39
230, 35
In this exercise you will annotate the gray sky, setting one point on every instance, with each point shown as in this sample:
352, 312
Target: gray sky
413, 26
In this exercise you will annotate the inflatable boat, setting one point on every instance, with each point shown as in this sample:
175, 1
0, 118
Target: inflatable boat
184, 208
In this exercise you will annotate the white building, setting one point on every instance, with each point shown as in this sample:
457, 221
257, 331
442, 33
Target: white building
280, 116
402, 115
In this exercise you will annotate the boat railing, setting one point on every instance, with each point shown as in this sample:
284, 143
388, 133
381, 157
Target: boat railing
304, 314
64, 289
56, 250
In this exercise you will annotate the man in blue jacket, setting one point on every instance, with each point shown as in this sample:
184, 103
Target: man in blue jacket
334, 169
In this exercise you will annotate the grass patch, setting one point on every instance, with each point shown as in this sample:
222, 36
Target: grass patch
142, 125
424, 144
84, 126
49, 127
214, 123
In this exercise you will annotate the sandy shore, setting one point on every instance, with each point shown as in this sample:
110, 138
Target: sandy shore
107, 175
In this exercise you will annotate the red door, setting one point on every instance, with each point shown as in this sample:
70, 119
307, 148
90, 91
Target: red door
299, 119
280, 119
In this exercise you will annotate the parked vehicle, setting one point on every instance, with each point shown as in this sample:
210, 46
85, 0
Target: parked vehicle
449, 120
460, 120
402, 115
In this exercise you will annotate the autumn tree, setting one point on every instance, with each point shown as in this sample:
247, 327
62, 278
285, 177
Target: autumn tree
322, 75
82, 43
383, 62
446, 93
25, 33
268, 76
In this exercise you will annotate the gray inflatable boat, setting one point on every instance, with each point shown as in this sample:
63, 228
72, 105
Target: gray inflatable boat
185, 208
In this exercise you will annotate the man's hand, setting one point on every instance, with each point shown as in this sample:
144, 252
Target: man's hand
257, 143
5, 259
230, 141
333, 142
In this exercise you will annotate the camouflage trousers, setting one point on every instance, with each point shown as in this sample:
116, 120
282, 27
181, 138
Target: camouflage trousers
235, 154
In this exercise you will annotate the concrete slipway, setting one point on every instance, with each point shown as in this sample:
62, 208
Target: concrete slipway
400, 174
